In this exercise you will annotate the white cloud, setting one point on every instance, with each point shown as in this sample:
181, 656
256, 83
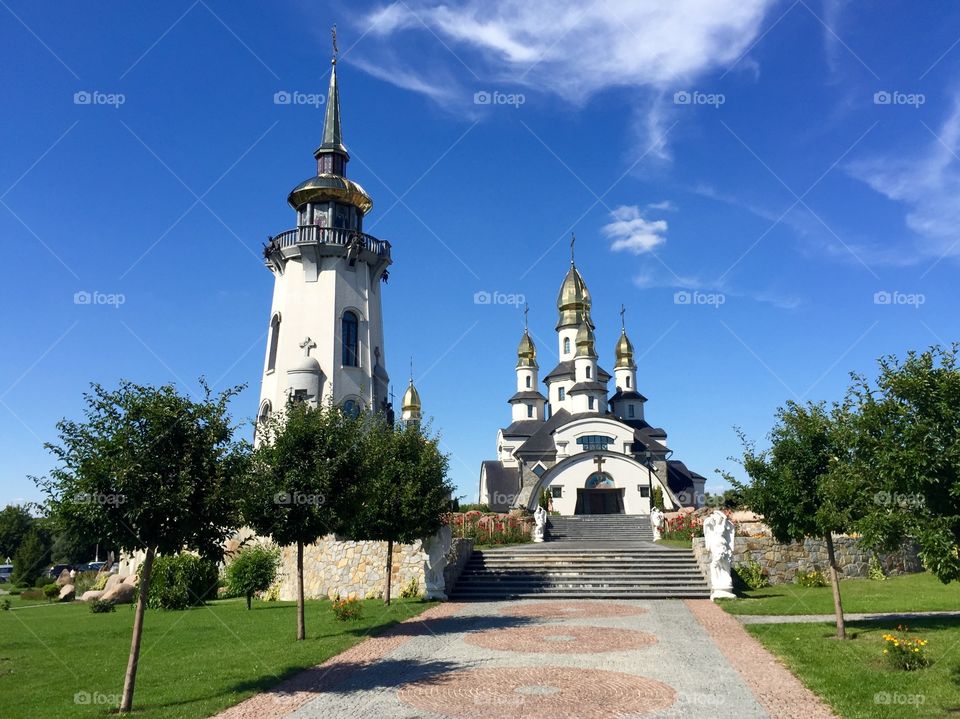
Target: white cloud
566, 48
631, 232
927, 183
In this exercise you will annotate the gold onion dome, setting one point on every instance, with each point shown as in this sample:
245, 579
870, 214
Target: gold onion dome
411, 399
624, 352
526, 352
586, 342
574, 301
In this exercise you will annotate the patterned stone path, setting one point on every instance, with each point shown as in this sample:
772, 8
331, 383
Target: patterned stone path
559, 659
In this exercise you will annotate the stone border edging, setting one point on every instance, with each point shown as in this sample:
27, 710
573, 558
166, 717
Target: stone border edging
777, 690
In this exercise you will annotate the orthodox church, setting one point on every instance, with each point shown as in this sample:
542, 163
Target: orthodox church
592, 453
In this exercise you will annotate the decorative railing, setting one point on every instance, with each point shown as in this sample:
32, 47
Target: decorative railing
315, 235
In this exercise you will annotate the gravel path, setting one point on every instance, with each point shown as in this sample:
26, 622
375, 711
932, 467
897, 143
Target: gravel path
560, 659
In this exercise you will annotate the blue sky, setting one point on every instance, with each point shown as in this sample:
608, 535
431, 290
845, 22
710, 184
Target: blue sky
781, 164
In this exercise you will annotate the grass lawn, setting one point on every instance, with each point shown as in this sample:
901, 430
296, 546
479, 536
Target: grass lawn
853, 676
675, 543
192, 664
908, 593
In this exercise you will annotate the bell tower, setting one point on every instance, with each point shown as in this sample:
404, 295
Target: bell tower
325, 332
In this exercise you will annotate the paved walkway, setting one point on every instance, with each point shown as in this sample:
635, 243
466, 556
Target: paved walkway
558, 659
850, 617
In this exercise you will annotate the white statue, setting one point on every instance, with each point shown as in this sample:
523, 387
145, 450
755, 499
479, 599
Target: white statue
540, 528
436, 548
718, 531
656, 522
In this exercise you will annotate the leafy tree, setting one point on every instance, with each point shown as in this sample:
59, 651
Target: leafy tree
795, 484
403, 494
906, 456
296, 491
31, 558
151, 471
15, 523
253, 570
658, 498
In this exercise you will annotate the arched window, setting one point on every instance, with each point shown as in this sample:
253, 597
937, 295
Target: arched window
529, 381
628, 381
264, 414
351, 408
349, 332
274, 343
566, 345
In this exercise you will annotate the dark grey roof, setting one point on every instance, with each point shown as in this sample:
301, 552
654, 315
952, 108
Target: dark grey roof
521, 396
629, 394
523, 428
541, 442
587, 387
680, 480
502, 483
565, 369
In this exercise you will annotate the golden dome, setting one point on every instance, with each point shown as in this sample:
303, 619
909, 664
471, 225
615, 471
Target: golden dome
526, 352
624, 353
411, 399
586, 342
325, 187
574, 301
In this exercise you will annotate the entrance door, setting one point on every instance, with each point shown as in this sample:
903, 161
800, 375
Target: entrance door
599, 501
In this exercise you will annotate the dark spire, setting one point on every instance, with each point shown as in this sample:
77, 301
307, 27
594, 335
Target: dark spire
332, 156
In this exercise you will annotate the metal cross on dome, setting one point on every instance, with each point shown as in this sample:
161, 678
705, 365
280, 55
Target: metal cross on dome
599, 460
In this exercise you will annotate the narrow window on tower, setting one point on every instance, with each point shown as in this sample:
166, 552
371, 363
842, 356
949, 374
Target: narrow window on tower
566, 345
628, 383
630, 410
529, 381
589, 372
529, 411
590, 402
274, 341
561, 394
349, 327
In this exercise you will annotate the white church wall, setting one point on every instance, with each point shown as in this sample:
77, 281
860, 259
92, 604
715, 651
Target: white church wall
627, 475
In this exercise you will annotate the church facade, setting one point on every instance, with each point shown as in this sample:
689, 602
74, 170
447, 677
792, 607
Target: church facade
591, 452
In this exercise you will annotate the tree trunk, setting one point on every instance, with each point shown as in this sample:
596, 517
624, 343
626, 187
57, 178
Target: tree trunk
835, 584
301, 628
249, 596
389, 568
130, 680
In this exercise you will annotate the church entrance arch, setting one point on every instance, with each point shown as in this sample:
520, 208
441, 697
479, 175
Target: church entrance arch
599, 495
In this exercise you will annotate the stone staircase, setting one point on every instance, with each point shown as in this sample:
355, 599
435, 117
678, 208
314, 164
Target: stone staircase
586, 558
600, 528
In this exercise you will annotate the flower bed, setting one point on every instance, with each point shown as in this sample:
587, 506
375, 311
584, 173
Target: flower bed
491, 528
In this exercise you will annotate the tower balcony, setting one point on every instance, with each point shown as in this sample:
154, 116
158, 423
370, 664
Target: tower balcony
310, 242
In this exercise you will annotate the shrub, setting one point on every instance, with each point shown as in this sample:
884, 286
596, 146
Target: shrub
491, 528
751, 573
346, 610
102, 606
180, 581
904, 652
51, 591
41, 582
5, 605
876, 569
683, 526
101, 582
84, 581
15, 591
410, 590
474, 508
658, 498
810, 578
253, 570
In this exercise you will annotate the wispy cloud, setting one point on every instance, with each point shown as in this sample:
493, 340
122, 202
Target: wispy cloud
652, 279
632, 232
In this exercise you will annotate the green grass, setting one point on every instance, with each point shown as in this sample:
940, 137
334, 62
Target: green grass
908, 593
193, 663
853, 677
676, 543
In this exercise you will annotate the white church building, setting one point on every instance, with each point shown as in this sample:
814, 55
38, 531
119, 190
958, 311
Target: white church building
591, 452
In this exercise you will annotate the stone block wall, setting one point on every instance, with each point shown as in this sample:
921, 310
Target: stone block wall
460, 551
782, 561
350, 569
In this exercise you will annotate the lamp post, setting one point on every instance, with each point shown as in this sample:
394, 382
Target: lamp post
648, 463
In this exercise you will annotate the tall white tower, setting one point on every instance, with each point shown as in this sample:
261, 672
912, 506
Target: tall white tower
325, 339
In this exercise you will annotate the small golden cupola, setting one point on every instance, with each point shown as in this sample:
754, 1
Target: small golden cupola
573, 301
411, 399
586, 342
526, 351
624, 352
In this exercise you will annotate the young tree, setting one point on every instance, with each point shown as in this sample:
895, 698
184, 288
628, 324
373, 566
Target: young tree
253, 570
403, 494
152, 471
296, 490
906, 452
795, 485
15, 523
31, 558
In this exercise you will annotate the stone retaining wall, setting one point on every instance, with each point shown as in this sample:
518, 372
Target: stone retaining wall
350, 569
782, 561
460, 551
